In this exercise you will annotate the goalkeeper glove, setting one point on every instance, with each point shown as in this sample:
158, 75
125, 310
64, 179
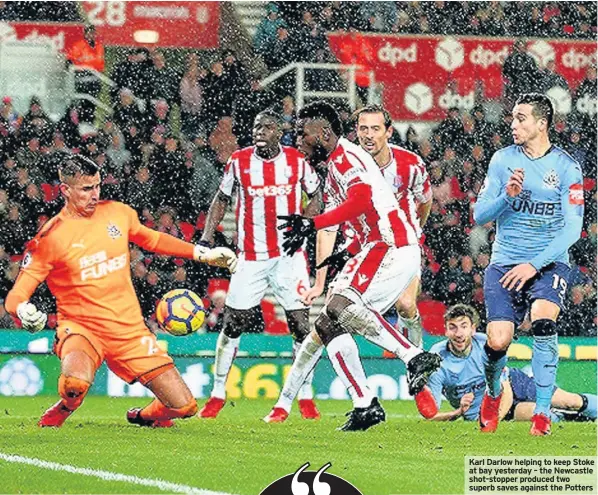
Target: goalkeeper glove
32, 319
219, 256
298, 229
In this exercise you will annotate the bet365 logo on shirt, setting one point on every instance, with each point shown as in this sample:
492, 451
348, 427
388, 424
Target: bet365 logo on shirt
304, 482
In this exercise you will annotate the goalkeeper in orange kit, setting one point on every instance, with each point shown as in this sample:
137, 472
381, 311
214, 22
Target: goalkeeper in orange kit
83, 255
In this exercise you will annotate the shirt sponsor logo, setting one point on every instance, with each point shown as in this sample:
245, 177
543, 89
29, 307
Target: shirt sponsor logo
267, 191
98, 265
576, 194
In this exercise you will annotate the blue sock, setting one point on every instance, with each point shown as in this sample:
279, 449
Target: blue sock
545, 359
590, 410
496, 361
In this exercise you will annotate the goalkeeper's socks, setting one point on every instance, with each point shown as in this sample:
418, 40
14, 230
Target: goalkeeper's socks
344, 356
495, 363
306, 358
226, 350
306, 391
545, 359
588, 409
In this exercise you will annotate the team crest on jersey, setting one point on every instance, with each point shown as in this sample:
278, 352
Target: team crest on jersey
551, 180
398, 182
27, 259
114, 231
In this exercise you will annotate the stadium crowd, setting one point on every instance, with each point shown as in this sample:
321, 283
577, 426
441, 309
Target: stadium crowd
167, 165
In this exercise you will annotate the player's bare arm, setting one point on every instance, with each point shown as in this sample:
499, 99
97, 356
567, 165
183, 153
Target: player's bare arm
215, 215
423, 212
324, 246
314, 207
464, 406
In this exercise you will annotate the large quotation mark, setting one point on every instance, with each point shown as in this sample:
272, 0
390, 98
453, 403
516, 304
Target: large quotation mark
319, 487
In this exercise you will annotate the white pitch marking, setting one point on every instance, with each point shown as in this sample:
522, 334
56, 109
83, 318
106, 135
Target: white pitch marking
109, 476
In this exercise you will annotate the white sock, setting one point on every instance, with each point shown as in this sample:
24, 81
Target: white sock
344, 356
226, 350
305, 361
392, 340
306, 391
414, 329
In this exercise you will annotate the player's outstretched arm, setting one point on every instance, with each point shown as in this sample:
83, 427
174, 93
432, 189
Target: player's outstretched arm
324, 246
166, 244
215, 215
464, 406
17, 304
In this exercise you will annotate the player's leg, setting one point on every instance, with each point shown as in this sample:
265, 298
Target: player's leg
373, 281
288, 281
79, 360
548, 291
247, 288
173, 399
503, 309
304, 363
298, 321
408, 314
583, 404
344, 356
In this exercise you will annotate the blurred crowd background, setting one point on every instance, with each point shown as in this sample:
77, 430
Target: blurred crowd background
177, 119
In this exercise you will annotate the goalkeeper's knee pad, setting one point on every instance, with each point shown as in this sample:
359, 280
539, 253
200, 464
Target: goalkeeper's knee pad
72, 390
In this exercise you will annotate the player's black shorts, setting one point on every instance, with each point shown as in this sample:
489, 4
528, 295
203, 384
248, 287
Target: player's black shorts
550, 283
524, 390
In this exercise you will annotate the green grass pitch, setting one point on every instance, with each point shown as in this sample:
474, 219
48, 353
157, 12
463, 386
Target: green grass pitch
238, 453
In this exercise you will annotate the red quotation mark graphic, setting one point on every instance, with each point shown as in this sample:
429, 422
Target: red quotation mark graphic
319, 487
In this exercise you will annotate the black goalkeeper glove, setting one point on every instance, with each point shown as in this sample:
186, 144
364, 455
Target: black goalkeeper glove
298, 229
337, 261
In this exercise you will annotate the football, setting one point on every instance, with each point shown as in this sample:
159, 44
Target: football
180, 312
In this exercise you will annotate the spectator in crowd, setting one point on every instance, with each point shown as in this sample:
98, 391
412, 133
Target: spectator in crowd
266, 32
136, 73
519, 71
87, 56
550, 78
191, 96
165, 80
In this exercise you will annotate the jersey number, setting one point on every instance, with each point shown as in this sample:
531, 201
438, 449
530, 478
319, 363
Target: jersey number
152, 346
559, 282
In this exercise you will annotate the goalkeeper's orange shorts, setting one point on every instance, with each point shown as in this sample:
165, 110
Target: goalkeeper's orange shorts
132, 354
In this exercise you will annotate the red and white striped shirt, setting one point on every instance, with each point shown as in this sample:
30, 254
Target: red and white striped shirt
266, 189
406, 173
350, 165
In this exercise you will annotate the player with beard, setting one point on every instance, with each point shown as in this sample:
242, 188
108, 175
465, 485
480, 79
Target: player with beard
269, 179
462, 381
372, 280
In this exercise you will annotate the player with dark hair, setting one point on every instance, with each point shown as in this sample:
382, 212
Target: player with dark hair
269, 179
462, 381
83, 255
372, 280
406, 173
534, 192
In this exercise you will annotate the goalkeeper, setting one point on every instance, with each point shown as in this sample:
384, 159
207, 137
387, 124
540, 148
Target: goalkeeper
83, 255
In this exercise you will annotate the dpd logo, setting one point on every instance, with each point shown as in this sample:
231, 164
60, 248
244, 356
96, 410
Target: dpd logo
311, 483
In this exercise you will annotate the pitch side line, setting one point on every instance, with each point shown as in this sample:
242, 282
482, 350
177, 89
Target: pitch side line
109, 476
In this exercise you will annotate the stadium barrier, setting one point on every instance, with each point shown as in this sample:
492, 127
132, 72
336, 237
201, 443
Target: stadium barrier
27, 367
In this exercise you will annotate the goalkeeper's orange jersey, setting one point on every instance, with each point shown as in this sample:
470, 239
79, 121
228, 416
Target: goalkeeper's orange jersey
86, 264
